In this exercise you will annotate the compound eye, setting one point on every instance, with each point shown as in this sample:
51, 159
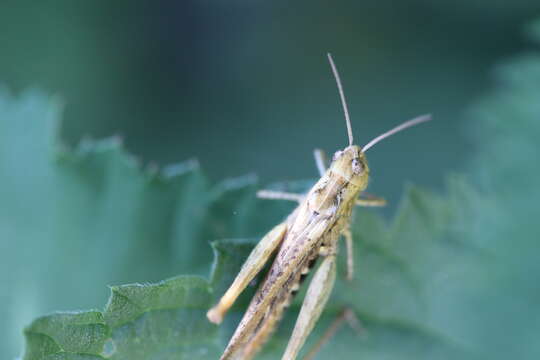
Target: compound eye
357, 166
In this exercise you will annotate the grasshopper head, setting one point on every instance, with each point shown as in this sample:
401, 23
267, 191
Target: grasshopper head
351, 164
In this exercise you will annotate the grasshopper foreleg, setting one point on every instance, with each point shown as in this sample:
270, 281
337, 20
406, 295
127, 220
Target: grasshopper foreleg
350, 253
320, 160
279, 195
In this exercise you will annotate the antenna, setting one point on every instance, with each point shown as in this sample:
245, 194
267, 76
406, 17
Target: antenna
342, 95
405, 125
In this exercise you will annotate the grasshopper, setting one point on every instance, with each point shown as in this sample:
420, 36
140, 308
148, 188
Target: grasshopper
310, 232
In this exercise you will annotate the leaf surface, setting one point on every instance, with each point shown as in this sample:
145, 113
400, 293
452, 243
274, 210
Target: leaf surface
450, 277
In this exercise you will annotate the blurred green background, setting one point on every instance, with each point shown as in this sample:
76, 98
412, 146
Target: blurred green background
245, 86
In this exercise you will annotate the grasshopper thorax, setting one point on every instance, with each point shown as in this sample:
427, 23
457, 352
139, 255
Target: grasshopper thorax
351, 164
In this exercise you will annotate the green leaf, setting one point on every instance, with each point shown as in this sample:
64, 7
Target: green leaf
120, 222
161, 321
76, 333
74, 221
501, 300
390, 294
450, 277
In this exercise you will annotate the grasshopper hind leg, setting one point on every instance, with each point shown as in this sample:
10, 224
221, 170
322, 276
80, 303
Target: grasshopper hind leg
254, 263
271, 320
316, 297
266, 328
245, 344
